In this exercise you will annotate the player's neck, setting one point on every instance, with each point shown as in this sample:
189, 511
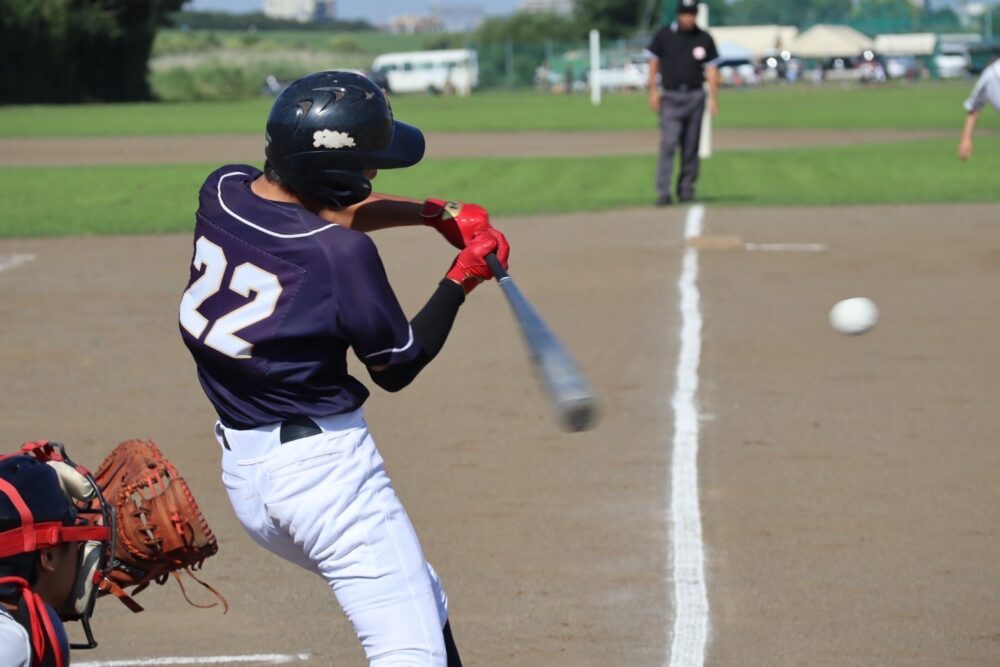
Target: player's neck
265, 189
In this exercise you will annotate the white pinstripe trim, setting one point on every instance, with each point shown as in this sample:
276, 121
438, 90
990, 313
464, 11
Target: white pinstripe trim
394, 349
258, 227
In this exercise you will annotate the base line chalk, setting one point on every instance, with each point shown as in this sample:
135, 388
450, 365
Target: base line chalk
259, 659
13, 261
690, 633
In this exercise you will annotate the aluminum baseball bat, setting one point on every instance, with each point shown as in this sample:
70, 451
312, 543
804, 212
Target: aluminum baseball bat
568, 389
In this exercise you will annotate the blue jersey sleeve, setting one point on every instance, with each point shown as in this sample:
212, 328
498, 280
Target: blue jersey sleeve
368, 312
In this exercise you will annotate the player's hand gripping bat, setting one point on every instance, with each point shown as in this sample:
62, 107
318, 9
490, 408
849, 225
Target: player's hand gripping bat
568, 389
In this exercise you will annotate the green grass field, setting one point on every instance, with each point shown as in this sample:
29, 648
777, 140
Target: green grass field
931, 105
143, 199
372, 42
139, 200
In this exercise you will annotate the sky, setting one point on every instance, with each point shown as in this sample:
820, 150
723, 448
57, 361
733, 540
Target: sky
375, 11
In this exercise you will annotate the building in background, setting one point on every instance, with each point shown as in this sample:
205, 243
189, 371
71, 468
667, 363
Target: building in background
303, 11
458, 17
564, 7
411, 23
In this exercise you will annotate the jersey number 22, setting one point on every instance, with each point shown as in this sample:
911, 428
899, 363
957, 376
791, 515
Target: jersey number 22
246, 278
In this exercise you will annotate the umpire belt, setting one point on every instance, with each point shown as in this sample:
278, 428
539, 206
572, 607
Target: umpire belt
293, 428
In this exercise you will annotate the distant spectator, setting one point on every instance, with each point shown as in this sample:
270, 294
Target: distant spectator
449, 82
272, 86
542, 81
792, 71
987, 89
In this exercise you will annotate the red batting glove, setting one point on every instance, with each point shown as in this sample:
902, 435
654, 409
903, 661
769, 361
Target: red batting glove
470, 267
459, 222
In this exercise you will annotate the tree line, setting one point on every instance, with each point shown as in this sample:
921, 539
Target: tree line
65, 51
77, 50
634, 18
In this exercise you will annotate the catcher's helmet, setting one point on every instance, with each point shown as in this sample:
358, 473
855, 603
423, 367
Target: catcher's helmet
37, 486
325, 128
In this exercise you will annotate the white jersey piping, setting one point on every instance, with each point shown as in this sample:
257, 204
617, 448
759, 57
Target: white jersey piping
394, 349
258, 227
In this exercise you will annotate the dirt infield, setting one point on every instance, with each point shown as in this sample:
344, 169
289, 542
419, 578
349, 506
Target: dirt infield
848, 485
239, 147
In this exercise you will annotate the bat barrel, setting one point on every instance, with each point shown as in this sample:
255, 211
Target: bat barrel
571, 395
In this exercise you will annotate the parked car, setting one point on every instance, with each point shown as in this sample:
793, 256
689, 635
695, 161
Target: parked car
952, 61
632, 76
843, 69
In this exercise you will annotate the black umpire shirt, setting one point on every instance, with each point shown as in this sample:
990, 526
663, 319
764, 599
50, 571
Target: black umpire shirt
683, 56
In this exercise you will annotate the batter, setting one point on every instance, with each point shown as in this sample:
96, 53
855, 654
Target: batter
283, 282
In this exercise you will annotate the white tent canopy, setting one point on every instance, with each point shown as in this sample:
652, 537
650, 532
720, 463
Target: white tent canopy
759, 40
911, 44
831, 41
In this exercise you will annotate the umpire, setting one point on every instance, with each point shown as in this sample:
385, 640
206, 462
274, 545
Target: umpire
684, 56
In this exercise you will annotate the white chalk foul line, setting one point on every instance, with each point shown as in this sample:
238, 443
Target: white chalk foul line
13, 261
259, 659
690, 595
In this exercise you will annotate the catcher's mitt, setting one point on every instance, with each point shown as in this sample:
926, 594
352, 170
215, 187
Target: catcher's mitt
159, 529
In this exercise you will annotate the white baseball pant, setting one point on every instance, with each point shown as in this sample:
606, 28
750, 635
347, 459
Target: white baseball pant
326, 504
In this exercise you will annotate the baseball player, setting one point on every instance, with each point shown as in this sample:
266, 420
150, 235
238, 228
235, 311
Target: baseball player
282, 283
683, 56
41, 563
987, 89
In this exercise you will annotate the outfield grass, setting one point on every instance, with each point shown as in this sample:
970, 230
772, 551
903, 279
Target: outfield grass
147, 199
370, 41
930, 105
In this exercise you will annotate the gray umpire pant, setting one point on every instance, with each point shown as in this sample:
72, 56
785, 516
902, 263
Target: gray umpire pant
681, 112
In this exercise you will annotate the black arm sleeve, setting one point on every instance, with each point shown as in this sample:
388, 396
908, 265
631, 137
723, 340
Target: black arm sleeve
431, 327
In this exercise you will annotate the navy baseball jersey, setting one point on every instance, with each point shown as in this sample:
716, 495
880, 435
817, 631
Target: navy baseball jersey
276, 297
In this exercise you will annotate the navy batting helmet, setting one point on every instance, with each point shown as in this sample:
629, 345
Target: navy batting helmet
325, 128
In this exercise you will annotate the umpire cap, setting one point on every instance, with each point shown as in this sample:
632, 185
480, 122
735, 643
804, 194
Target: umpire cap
325, 128
37, 484
687, 6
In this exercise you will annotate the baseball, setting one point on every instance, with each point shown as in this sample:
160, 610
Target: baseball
854, 316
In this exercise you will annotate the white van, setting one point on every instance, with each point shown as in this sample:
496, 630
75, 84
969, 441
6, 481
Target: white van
422, 71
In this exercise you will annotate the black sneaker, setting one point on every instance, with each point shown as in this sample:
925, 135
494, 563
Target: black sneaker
664, 201
686, 199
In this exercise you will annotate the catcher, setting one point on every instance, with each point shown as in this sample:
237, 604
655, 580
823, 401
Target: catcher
67, 537
50, 553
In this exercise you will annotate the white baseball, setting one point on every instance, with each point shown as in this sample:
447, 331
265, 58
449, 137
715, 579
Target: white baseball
854, 316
